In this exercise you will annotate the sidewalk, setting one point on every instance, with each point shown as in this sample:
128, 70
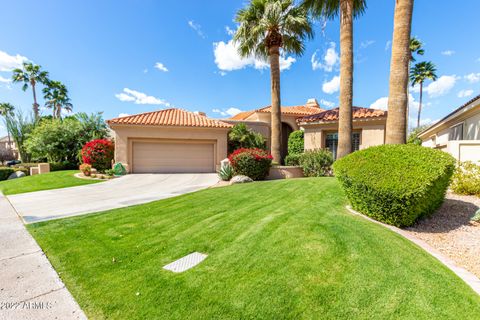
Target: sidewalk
29, 286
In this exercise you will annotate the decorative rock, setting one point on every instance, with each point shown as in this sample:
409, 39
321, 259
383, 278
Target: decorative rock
16, 174
240, 179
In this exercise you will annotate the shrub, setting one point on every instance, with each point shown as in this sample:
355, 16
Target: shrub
241, 137
292, 160
86, 169
466, 179
110, 172
316, 163
5, 172
98, 153
254, 163
296, 142
395, 184
226, 172
65, 165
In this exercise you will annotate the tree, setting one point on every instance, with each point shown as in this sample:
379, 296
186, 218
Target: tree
241, 137
416, 47
56, 97
7, 110
396, 128
30, 75
421, 72
266, 28
93, 126
20, 127
348, 10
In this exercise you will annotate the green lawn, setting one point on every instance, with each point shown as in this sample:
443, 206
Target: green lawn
277, 250
47, 181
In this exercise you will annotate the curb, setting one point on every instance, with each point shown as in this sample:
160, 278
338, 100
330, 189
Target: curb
469, 278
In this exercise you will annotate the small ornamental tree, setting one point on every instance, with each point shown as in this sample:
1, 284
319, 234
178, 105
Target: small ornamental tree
98, 153
254, 163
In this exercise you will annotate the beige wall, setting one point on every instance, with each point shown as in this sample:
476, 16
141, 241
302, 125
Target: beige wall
125, 135
372, 133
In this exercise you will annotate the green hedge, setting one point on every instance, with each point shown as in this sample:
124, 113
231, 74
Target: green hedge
395, 184
5, 172
295, 142
292, 160
316, 163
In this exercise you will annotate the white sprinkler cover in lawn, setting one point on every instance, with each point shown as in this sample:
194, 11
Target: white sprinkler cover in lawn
186, 262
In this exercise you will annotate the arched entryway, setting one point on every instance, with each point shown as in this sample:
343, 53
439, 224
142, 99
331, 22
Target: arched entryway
286, 130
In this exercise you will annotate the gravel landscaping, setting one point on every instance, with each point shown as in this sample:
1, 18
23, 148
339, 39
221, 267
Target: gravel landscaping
451, 231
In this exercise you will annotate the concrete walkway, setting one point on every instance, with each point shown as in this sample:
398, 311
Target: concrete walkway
121, 192
29, 286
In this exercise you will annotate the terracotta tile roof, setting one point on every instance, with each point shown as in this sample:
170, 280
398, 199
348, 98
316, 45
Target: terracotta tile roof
293, 110
170, 117
332, 115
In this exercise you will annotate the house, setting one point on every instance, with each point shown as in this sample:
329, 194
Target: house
7, 147
321, 129
175, 140
458, 133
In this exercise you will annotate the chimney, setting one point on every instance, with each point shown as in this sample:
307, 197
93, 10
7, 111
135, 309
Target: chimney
312, 102
201, 113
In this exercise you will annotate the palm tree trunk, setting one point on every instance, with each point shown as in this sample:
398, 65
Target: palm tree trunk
420, 104
396, 132
276, 114
346, 79
59, 111
35, 104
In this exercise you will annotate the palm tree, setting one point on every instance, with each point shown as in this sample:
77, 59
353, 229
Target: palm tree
396, 130
348, 10
56, 97
416, 47
7, 110
418, 74
266, 27
30, 75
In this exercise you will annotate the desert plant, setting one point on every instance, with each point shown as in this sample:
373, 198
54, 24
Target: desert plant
99, 153
395, 184
86, 169
253, 163
242, 137
226, 172
316, 163
466, 179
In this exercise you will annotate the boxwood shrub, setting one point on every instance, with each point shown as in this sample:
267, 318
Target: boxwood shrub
395, 184
5, 172
254, 163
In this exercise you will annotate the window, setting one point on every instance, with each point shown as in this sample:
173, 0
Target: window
456, 132
331, 142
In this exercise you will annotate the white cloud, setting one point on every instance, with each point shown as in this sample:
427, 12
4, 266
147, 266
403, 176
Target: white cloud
331, 86
328, 104
229, 31
5, 80
228, 59
197, 28
382, 103
229, 112
388, 45
121, 115
366, 44
438, 88
465, 93
329, 60
448, 53
160, 66
137, 97
472, 77
8, 62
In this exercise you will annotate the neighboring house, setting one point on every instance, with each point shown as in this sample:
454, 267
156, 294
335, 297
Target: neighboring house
458, 133
175, 140
321, 130
7, 144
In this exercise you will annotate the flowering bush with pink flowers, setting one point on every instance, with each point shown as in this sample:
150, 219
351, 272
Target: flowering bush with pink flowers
254, 163
98, 153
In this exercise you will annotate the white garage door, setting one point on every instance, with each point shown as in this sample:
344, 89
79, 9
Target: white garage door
166, 157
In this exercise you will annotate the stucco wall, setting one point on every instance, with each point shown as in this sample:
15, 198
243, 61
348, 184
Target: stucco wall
124, 135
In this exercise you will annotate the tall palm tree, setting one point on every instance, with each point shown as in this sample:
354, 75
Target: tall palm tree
348, 10
30, 75
56, 97
396, 129
266, 27
422, 71
7, 110
416, 47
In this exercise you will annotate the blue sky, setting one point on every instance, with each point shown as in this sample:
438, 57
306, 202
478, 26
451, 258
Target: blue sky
127, 57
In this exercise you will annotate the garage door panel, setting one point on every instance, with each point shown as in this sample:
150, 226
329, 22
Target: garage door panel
163, 157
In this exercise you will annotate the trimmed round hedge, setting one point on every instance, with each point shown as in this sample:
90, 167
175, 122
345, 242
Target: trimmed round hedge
395, 184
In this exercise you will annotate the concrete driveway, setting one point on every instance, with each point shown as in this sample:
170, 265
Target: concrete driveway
121, 192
